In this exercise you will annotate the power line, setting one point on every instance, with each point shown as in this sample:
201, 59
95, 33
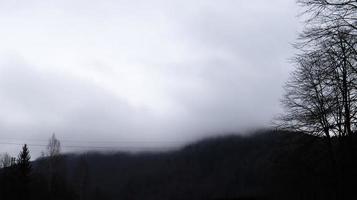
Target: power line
109, 142
77, 146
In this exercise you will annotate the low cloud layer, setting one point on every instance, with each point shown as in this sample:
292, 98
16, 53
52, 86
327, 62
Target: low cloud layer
133, 74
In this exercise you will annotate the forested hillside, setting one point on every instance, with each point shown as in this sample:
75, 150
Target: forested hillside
266, 165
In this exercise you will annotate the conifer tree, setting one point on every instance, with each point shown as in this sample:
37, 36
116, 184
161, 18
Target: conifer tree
24, 172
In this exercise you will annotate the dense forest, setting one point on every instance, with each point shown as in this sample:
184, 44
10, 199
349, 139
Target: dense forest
265, 165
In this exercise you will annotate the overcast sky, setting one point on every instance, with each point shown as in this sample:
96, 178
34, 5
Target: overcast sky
139, 73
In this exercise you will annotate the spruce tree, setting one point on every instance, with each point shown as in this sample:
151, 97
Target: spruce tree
24, 171
24, 161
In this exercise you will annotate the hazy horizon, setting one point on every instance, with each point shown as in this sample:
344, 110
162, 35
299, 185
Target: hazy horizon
135, 74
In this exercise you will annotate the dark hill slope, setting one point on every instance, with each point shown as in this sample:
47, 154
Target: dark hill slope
270, 164
266, 165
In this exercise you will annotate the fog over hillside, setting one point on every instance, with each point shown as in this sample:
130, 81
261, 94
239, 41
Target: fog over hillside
179, 99
151, 73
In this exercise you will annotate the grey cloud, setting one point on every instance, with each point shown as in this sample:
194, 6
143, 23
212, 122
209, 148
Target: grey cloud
218, 65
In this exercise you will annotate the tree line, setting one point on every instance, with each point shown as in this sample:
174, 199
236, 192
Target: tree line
20, 180
321, 95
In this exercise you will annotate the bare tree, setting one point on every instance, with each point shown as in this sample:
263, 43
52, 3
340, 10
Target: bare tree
327, 16
5, 160
321, 97
53, 147
53, 156
306, 103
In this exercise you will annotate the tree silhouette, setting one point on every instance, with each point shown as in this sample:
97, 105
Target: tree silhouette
321, 95
53, 164
53, 147
5, 160
24, 172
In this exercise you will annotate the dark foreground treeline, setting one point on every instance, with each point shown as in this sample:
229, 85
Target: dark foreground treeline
269, 165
